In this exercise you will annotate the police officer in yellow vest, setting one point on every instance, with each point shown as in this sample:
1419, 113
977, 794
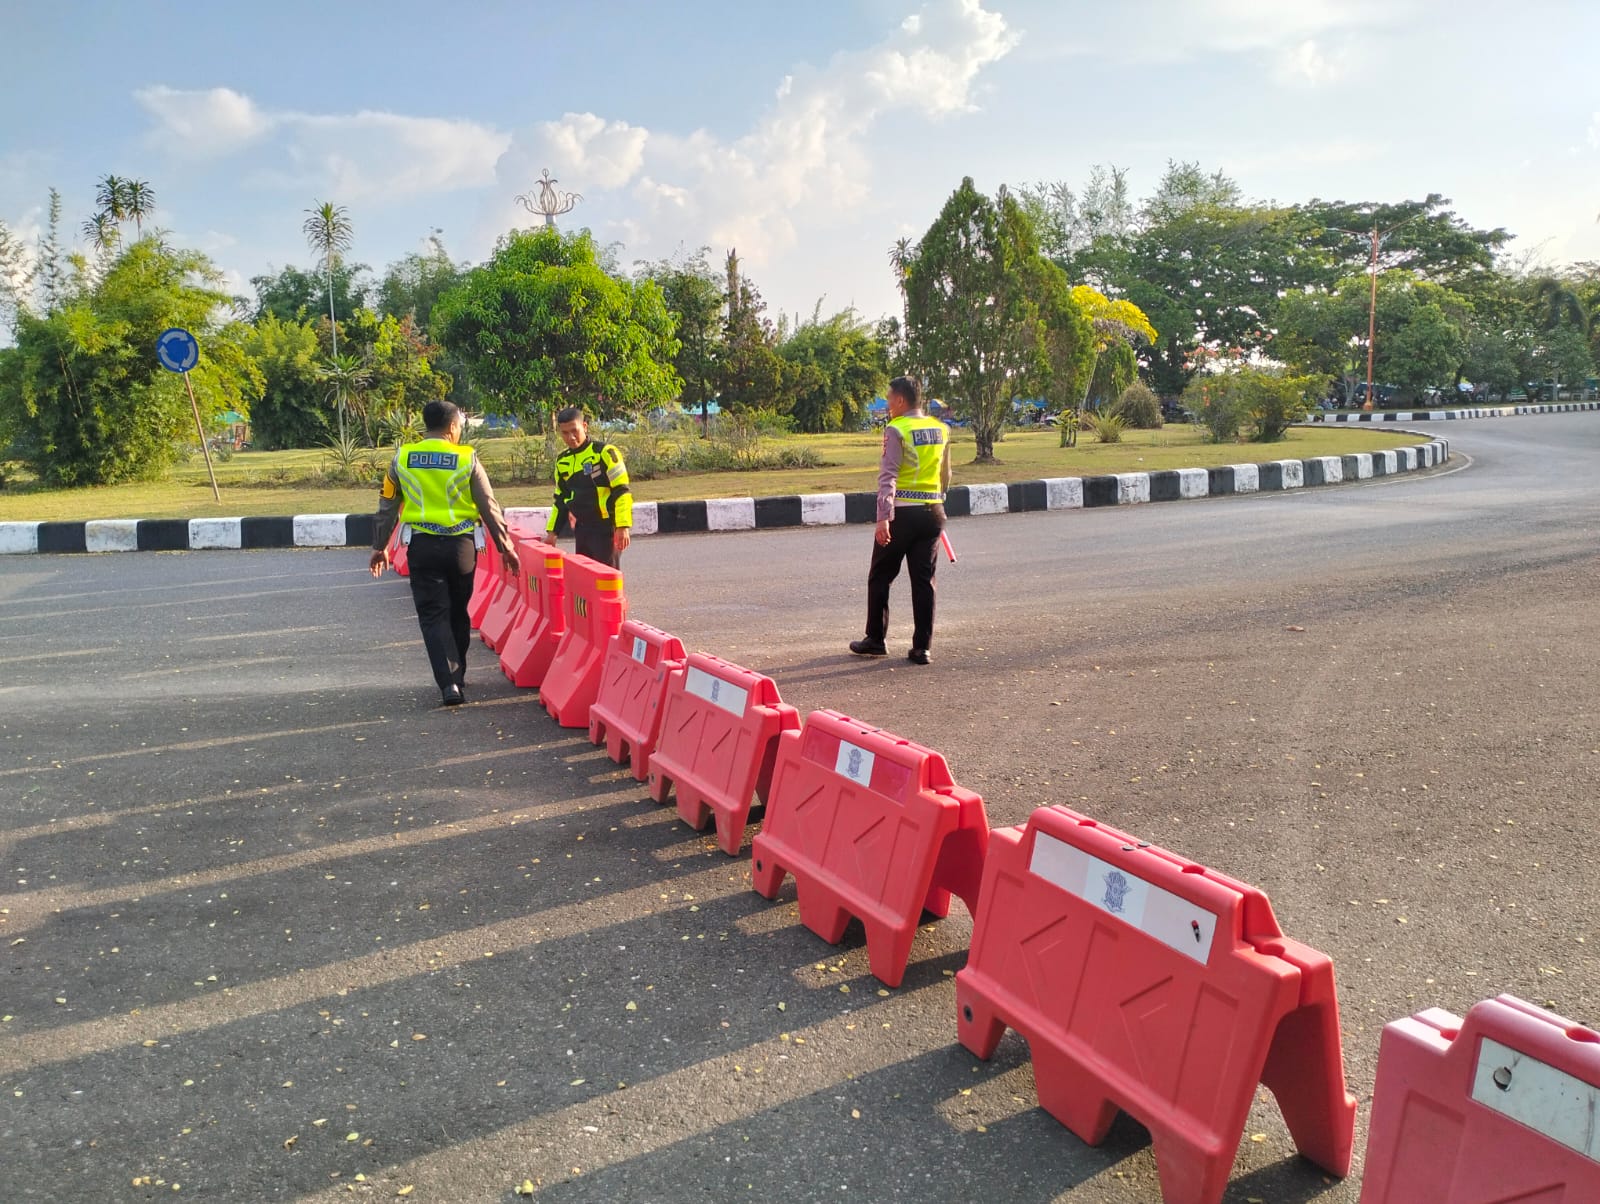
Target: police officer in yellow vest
439, 490
912, 479
592, 492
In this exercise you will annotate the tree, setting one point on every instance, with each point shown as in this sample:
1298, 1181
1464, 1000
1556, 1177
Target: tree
542, 325
102, 233
83, 400
971, 320
1117, 327
139, 202
693, 295
291, 410
751, 375
293, 294
411, 286
330, 234
111, 198
346, 378
840, 367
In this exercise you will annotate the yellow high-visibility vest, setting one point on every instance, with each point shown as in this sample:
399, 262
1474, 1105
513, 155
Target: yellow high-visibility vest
436, 487
921, 459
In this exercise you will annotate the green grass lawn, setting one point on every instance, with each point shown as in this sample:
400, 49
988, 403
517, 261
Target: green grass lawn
273, 482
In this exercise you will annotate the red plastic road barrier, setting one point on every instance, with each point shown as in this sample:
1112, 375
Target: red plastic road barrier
1497, 1109
399, 560
1148, 983
720, 725
535, 636
870, 826
485, 583
626, 715
505, 605
595, 611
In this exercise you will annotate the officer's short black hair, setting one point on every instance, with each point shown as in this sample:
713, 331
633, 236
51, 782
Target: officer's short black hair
908, 388
571, 414
440, 415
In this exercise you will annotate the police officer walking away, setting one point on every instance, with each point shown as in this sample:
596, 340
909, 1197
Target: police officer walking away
439, 490
591, 489
913, 477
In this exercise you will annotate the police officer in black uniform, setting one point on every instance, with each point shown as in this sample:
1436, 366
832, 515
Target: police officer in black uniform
592, 491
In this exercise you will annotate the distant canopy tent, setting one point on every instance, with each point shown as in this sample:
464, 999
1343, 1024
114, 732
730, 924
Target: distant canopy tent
235, 427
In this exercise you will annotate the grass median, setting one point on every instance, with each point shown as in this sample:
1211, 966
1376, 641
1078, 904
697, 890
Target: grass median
283, 482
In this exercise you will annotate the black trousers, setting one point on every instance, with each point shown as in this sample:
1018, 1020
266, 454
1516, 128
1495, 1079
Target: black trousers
442, 568
595, 540
914, 539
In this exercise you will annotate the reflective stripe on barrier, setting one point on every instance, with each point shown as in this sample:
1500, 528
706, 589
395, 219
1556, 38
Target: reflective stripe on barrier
1502, 1107
626, 715
870, 826
720, 725
1145, 982
535, 637
595, 610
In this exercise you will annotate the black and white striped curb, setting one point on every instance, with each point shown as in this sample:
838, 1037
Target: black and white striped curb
1563, 407
743, 513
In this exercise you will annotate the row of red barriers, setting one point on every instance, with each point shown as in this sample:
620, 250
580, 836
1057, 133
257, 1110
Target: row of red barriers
1142, 982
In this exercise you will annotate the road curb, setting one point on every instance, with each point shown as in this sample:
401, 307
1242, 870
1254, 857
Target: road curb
744, 514
1562, 407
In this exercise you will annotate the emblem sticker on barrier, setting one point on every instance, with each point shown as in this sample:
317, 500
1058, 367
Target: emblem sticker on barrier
639, 647
581, 606
729, 697
1174, 922
854, 763
1552, 1102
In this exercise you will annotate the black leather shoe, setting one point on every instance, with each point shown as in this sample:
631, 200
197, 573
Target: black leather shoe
868, 648
919, 656
453, 697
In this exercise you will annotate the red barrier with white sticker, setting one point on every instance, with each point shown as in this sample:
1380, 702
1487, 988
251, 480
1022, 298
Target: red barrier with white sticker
871, 826
1147, 983
720, 725
1502, 1107
531, 644
626, 716
595, 610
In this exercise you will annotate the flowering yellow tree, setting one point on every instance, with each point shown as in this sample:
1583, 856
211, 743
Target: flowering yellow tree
1113, 322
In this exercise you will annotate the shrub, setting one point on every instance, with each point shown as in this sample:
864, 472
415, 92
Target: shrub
1216, 406
1139, 408
1274, 401
1107, 428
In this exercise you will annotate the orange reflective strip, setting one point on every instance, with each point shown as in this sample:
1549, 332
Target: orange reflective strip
611, 587
552, 562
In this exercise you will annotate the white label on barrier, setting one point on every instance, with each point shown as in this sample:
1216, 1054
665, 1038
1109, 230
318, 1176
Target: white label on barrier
1169, 918
1549, 1101
724, 694
638, 648
854, 763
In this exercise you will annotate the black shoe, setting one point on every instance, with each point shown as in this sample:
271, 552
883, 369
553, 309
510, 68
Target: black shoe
918, 656
868, 648
453, 697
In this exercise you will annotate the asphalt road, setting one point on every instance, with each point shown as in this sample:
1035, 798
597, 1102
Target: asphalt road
276, 927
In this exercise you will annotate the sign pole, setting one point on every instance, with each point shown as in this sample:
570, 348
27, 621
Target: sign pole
200, 430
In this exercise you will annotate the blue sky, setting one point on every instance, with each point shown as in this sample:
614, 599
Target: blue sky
810, 136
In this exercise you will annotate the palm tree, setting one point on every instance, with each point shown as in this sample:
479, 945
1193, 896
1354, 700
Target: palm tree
347, 379
102, 232
111, 195
138, 202
329, 233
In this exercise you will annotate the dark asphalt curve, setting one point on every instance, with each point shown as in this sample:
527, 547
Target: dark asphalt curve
277, 927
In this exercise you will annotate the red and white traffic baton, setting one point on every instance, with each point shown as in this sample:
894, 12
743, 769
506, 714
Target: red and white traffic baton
944, 538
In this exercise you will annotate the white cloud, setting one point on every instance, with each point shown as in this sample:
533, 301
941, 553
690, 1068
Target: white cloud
349, 155
213, 121
1594, 131
1307, 64
801, 162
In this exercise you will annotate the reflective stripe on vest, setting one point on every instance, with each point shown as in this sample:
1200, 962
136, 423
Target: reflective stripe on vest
436, 487
921, 459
